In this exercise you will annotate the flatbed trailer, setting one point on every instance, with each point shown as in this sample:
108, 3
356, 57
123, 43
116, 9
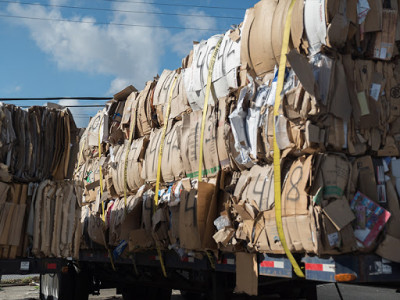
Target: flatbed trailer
139, 276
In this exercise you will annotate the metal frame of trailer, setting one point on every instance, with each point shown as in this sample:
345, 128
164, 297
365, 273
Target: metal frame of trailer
93, 272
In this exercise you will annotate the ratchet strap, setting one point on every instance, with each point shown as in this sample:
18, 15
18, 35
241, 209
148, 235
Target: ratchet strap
160, 152
205, 106
277, 167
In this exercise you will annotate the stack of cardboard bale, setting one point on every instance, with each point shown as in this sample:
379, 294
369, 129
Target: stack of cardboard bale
37, 216
338, 131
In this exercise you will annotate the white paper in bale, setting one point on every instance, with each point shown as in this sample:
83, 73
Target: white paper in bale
245, 123
254, 117
239, 127
315, 24
225, 67
96, 124
224, 72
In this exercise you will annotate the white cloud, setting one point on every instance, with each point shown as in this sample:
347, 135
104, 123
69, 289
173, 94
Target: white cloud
132, 55
182, 43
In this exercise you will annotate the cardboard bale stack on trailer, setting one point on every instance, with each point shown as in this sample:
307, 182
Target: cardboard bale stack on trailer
337, 130
38, 207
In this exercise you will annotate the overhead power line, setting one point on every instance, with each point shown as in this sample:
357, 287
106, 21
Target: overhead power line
105, 23
179, 5
56, 98
120, 10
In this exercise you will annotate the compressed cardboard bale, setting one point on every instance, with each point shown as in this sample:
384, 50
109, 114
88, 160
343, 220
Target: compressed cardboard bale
225, 139
162, 93
145, 110
171, 162
95, 228
224, 76
149, 172
95, 128
142, 238
278, 28
125, 219
115, 112
246, 121
256, 47
160, 221
384, 41
135, 163
332, 25
92, 180
258, 187
130, 115
190, 144
68, 220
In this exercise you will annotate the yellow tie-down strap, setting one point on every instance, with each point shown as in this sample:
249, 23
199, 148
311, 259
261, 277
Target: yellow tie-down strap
131, 130
277, 166
160, 152
205, 106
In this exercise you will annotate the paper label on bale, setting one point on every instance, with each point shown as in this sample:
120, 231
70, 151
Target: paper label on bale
246, 273
190, 147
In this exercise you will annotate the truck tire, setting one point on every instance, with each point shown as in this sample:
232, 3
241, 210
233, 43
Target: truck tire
64, 286
56, 286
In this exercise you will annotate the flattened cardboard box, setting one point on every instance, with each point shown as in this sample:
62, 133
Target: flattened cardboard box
198, 210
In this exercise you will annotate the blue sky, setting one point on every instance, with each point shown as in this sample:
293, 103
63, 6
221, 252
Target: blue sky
48, 58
